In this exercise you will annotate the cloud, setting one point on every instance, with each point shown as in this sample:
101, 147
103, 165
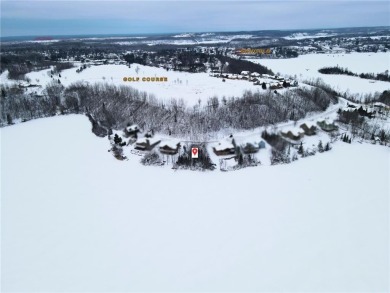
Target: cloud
31, 17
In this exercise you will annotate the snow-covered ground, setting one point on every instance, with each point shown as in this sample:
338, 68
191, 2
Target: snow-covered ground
189, 86
306, 67
76, 219
194, 86
301, 36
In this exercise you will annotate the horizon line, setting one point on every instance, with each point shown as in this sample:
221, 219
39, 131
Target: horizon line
189, 32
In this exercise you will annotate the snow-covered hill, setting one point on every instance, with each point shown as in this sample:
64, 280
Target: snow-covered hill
76, 219
305, 67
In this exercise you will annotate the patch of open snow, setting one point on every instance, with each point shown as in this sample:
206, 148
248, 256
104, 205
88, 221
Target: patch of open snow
76, 219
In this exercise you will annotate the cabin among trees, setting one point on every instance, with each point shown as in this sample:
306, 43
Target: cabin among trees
309, 129
293, 134
327, 126
224, 148
169, 148
132, 130
252, 147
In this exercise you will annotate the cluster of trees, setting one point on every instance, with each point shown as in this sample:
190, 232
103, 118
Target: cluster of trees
203, 162
112, 107
384, 98
319, 83
283, 52
20, 64
236, 66
192, 61
59, 66
336, 70
282, 152
355, 117
346, 138
379, 76
361, 127
339, 70
116, 147
152, 159
131, 58
383, 136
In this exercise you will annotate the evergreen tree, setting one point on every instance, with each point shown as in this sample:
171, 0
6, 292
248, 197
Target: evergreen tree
320, 147
117, 139
327, 147
9, 119
264, 86
240, 159
300, 150
382, 135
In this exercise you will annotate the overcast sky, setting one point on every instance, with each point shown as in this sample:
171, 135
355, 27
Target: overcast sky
43, 18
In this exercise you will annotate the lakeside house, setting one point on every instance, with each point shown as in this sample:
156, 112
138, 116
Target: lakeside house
132, 130
146, 144
309, 128
224, 148
293, 133
169, 147
327, 126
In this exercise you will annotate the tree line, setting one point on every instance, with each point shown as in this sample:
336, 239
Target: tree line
114, 107
340, 70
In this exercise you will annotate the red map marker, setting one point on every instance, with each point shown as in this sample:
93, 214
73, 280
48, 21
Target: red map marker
195, 153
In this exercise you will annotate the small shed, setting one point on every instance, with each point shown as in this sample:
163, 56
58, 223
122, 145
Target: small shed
262, 144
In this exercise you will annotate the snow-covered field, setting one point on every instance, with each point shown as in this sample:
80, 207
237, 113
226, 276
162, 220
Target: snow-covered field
189, 86
75, 219
306, 67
